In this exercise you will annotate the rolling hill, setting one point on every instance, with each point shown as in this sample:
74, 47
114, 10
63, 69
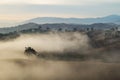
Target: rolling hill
106, 19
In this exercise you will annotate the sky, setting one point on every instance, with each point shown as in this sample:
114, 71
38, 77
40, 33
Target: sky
12, 11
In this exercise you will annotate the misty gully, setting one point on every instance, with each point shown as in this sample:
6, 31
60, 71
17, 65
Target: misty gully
63, 56
68, 45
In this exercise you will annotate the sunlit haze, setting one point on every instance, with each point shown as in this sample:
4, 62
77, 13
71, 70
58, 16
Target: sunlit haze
12, 11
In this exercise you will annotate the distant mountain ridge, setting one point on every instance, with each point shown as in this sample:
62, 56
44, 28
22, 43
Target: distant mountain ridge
66, 23
107, 19
52, 20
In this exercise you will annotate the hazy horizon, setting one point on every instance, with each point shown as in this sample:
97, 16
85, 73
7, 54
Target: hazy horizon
14, 11
13, 23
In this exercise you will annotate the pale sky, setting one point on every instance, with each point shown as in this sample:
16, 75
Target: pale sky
57, 2
19, 10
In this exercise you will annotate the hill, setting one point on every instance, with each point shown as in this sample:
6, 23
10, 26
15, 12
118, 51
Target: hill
106, 19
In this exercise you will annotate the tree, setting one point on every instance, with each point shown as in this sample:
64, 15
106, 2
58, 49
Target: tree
92, 28
60, 29
39, 27
116, 28
88, 29
47, 28
74, 29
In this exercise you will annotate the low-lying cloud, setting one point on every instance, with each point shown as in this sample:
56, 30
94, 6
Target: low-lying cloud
14, 65
52, 42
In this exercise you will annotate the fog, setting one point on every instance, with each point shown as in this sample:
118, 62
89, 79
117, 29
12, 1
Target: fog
15, 65
52, 42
